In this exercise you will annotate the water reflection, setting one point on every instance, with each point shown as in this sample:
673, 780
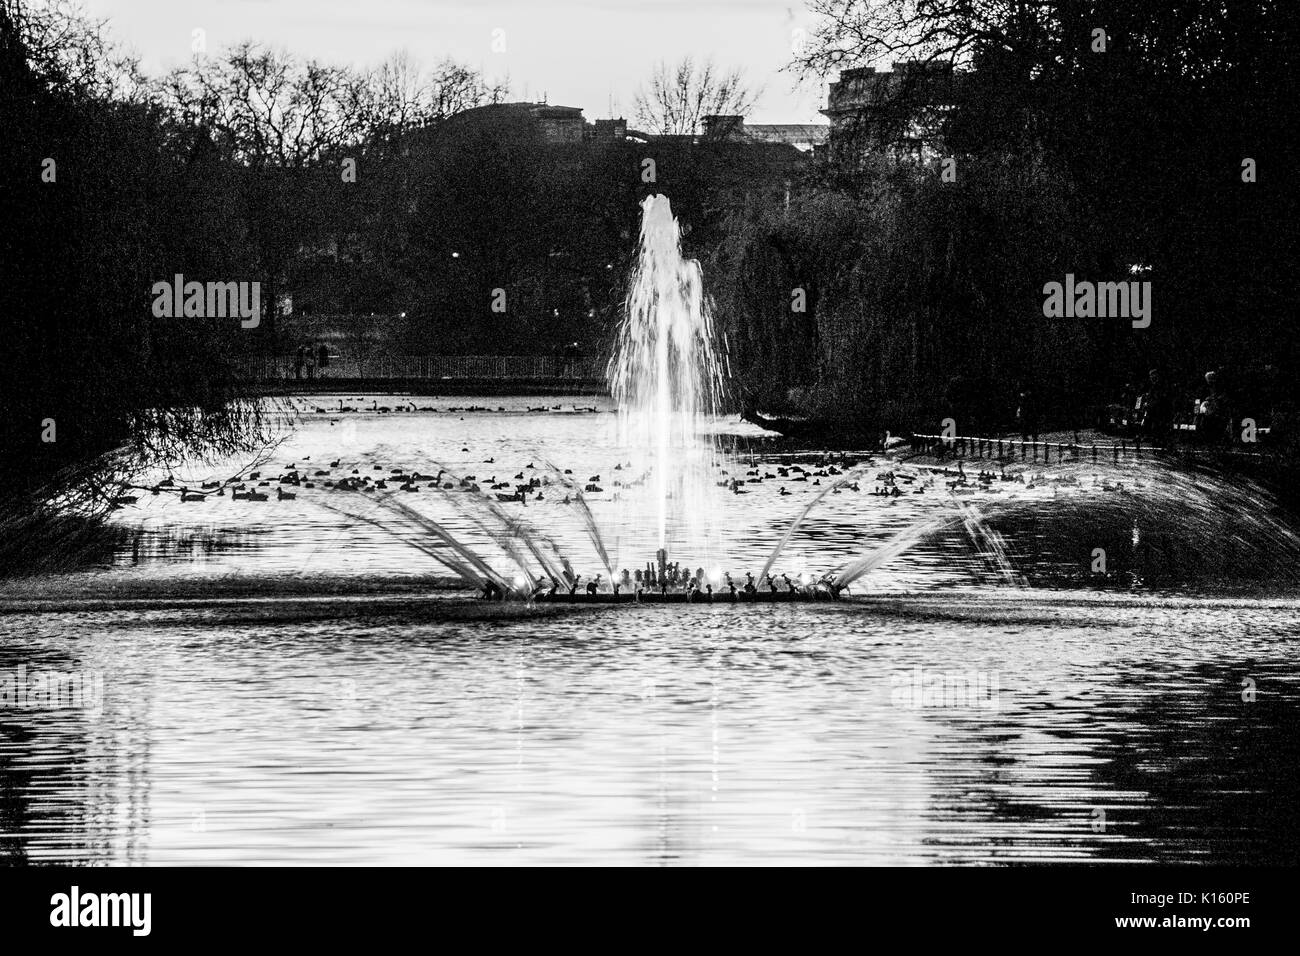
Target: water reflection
708, 735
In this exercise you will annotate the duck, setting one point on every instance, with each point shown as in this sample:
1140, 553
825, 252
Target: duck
282, 495
187, 495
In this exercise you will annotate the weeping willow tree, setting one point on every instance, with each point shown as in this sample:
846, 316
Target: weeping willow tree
104, 197
1094, 137
902, 301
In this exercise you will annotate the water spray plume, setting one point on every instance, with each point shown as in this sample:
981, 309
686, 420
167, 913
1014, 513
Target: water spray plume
666, 377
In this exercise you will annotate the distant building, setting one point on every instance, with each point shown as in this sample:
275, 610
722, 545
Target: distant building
559, 124
607, 130
898, 113
805, 137
566, 124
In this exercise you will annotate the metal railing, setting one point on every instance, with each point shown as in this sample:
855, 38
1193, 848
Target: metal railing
429, 368
1010, 449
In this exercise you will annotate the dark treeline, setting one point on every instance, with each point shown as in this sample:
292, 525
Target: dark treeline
111, 182
392, 191
925, 296
102, 195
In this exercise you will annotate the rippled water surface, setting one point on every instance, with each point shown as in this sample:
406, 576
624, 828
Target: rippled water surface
941, 715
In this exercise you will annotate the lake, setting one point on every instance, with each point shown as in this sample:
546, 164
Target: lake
284, 682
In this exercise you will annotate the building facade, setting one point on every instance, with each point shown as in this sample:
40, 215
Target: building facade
897, 113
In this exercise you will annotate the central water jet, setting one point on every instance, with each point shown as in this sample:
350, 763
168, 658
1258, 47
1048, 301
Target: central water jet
666, 377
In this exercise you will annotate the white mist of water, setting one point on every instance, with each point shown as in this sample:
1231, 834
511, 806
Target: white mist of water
666, 378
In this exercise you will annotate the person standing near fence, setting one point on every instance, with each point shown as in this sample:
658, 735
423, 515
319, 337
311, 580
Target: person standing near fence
1027, 415
322, 358
1156, 417
299, 361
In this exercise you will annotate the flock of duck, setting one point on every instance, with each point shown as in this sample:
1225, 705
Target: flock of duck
410, 406
530, 484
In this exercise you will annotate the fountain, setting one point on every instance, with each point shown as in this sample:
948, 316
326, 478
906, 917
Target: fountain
666, 377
